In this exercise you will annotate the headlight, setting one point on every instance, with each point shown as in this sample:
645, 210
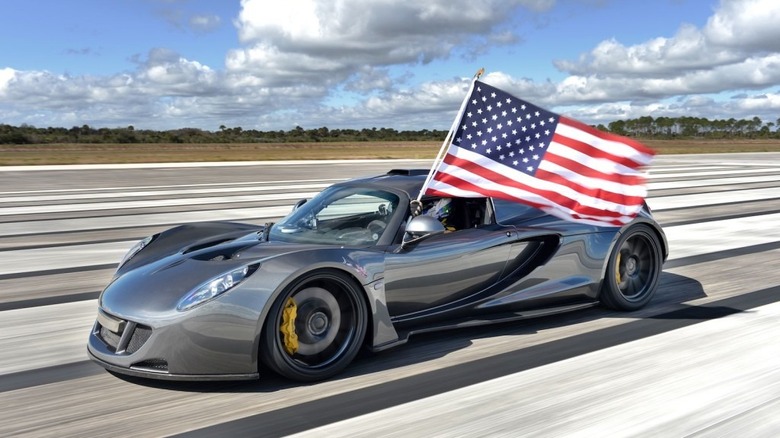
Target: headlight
136, 249
215, 287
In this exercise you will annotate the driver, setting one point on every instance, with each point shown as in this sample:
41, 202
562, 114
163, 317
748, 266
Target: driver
440, 209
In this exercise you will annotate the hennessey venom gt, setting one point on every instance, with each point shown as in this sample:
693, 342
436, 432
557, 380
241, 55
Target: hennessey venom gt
354, 268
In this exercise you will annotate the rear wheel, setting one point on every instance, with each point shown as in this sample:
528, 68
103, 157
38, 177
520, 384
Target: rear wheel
315, 328
633, 270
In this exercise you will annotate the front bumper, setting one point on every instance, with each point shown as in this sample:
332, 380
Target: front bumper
197, 346
150, 374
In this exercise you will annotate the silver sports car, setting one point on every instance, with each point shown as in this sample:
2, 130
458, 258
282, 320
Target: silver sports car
353, 268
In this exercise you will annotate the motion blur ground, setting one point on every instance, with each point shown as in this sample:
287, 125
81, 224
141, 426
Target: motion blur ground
697, 359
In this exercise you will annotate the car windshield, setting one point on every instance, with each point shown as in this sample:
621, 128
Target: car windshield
339, 216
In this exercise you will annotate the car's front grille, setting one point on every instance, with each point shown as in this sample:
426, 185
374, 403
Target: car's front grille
140, 336
129, 338
156, 365
109, 338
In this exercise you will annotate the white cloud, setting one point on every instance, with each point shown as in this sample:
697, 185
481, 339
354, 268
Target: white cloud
327, 40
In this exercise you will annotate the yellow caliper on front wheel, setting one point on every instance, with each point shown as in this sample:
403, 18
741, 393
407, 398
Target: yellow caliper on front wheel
617, 269
289, 313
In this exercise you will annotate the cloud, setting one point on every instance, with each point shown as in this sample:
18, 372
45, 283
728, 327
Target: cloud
205, 23
316, 40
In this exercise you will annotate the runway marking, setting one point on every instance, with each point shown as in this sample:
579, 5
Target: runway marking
61, 208
707, 199
150, 193
48, 226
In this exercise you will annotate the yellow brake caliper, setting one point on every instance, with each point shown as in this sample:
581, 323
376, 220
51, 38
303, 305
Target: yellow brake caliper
289, 314
617, 269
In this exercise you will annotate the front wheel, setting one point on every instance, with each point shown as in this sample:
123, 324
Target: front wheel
633, 270
315, 328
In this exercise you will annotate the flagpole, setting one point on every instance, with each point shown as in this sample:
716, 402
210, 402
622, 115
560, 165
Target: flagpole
447, 139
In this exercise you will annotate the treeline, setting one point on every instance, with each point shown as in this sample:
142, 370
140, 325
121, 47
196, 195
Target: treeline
642, 127
694, 127
26, 134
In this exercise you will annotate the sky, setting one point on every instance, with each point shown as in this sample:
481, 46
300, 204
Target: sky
400, 64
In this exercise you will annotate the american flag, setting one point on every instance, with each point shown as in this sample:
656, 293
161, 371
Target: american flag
507, 148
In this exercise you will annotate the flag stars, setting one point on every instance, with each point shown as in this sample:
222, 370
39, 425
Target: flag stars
535, 157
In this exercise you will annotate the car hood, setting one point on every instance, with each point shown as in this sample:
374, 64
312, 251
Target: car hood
162, 274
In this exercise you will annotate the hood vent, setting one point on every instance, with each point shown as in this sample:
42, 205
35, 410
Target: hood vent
222, 253
205, 245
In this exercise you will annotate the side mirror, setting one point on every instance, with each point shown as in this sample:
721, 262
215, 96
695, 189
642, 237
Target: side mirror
299, 204
421, 227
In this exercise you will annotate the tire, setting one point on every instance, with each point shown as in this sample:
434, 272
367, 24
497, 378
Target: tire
330, 326
633, 270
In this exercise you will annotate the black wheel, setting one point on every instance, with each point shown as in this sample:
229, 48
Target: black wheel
315, 328
633, 270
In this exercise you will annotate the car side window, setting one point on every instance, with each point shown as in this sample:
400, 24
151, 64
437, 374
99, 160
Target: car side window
459, 213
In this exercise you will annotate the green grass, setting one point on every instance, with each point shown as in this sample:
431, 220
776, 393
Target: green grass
162, 153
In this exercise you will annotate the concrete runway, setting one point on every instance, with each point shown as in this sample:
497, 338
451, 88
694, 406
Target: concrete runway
703, 359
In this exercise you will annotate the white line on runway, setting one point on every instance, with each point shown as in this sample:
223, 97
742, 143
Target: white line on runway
177, 186
689, 175
177, 193
706, 199
37, 209
710, 182
141, 220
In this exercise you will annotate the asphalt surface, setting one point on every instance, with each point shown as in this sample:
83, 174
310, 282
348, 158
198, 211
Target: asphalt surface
703, 359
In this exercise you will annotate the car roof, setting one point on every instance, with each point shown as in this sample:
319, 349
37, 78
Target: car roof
409, 181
